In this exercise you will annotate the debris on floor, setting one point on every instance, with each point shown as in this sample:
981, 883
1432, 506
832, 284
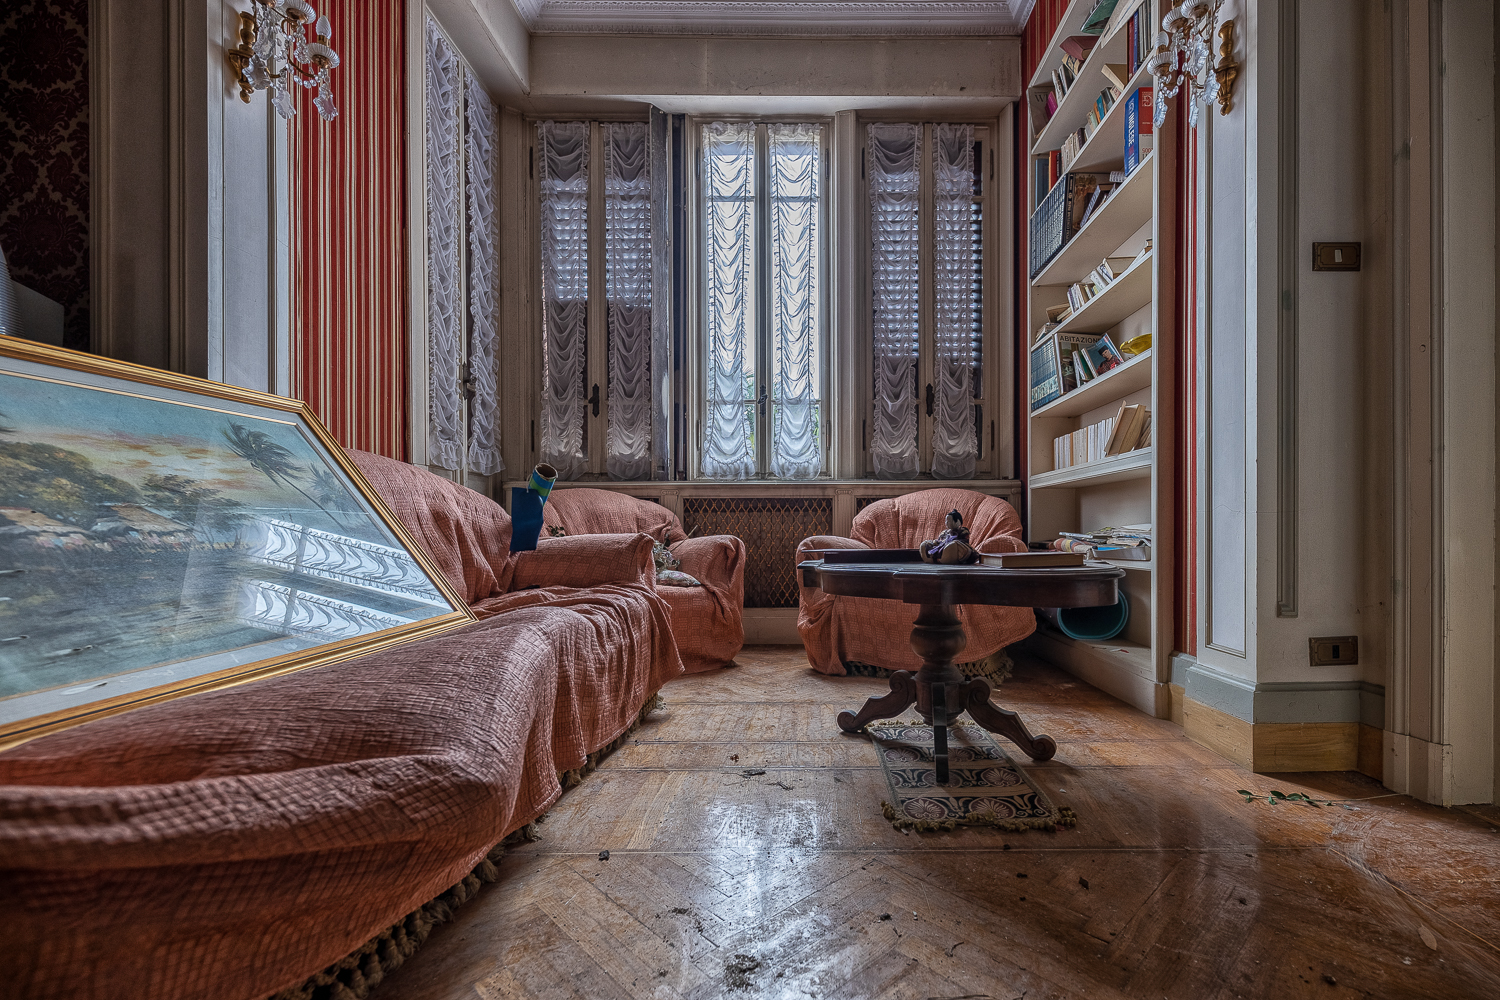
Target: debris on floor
603, 855
737, 971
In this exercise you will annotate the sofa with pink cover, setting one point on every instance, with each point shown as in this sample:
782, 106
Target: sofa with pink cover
708, 621
229, 845
836, 630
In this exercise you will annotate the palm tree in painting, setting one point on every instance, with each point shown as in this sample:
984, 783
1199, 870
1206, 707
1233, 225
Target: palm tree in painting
270, 460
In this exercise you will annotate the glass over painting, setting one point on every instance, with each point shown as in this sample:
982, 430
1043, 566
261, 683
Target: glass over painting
155, 537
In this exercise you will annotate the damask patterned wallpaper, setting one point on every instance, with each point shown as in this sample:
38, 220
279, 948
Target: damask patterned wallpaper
44, 153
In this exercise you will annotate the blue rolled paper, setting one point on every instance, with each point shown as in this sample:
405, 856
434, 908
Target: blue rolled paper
526, 508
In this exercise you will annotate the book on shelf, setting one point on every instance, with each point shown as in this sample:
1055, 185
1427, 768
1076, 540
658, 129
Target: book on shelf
1098, 18
1032, 560
1071, 342
1069, 374
1079, 46
1102, 355
1081, 367
1046, 379
1100, 195
1138, 131
1140, 34
1056, 219
1087, 444
1117, 75
1127, 426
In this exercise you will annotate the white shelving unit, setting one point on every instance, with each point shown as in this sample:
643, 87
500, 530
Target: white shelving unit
1135, 487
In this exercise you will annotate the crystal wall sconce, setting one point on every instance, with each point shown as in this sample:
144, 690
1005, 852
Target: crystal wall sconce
1183, 58
276, 50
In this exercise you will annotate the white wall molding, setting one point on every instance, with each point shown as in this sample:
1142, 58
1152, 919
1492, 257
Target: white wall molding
775, 17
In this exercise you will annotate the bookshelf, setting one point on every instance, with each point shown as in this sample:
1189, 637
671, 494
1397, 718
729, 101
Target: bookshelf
1135, 487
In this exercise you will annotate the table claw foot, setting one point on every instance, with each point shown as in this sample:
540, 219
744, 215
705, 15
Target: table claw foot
1005, 722
903, 693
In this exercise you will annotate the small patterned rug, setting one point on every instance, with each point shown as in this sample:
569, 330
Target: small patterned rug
985, 788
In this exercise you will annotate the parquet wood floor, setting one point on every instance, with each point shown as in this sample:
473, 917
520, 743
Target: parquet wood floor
791, 884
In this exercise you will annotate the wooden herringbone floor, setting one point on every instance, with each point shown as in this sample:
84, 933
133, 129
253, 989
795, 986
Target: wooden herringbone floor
790, 883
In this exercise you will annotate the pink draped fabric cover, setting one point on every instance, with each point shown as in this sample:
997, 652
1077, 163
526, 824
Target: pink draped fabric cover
228, 845
708, 621
866, 630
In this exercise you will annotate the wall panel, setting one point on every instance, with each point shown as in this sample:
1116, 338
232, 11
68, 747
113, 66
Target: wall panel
349, 244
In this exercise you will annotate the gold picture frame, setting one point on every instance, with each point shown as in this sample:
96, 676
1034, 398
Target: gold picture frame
259, 534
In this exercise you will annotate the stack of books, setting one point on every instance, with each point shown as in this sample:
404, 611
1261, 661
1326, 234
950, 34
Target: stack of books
1131, 542
1127, 431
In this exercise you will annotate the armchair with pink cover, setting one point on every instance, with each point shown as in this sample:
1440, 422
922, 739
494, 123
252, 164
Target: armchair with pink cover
841, 630
707, 621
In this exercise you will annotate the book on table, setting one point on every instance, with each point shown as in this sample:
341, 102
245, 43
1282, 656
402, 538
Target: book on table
1032, 560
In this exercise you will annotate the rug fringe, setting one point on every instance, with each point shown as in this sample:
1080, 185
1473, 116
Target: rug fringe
356, 975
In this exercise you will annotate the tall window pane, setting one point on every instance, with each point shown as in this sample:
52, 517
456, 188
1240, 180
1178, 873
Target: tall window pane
729, 265
564, 157
895, 178
764, 313
955, 444
627, 281
796, 300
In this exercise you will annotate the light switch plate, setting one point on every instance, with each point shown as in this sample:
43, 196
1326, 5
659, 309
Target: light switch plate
1333, 650
1335, 257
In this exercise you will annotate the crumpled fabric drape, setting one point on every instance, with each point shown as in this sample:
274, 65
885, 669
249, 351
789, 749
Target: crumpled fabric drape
484, 291
563, 172
895, 178
956, 299
444, 250
627, 263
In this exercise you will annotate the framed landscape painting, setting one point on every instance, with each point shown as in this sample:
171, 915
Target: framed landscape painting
163, 535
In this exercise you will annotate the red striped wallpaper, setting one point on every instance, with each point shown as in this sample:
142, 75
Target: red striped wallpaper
349, 323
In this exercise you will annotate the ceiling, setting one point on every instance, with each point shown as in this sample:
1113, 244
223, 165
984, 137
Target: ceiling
779, 17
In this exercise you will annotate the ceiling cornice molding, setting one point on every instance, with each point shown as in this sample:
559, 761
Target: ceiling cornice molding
777, 17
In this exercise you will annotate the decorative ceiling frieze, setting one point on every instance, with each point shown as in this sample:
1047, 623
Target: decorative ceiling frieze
778, 17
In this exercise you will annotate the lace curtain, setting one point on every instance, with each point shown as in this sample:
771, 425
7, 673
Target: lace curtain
956, 250
627, 264
484, 293
895, 180
795, 174
729, 270
564, 175
444, 256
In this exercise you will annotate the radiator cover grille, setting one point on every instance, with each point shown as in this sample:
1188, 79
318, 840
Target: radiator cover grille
770, 527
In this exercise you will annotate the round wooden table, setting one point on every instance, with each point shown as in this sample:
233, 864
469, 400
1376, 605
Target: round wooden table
940, 691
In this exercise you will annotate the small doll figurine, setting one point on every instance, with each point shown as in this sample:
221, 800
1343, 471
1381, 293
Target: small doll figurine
952, 547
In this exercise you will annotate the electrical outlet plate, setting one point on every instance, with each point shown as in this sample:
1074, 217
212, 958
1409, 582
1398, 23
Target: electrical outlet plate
1335, 257
1333, 650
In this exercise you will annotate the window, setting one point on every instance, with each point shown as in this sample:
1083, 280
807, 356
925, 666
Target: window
927, 282
595, 203
764, 307
463, 431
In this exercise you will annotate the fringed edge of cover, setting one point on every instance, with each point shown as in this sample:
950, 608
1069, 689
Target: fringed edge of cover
356, 975
1065, 818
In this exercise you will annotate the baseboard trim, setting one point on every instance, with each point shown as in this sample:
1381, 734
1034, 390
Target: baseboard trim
1125, 673
1269, 747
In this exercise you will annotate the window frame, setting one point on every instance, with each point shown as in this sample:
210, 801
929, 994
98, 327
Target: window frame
596, 326
996, 361
696, 277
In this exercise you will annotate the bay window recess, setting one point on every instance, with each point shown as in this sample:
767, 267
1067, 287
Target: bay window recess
591, 338
462, 126
764, 300
927, 298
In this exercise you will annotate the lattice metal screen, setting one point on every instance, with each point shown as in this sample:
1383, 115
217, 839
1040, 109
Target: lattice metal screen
770, 527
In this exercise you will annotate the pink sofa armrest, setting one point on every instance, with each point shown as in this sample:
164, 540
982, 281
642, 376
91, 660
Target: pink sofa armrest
1002, 543
715, 560
586, 561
